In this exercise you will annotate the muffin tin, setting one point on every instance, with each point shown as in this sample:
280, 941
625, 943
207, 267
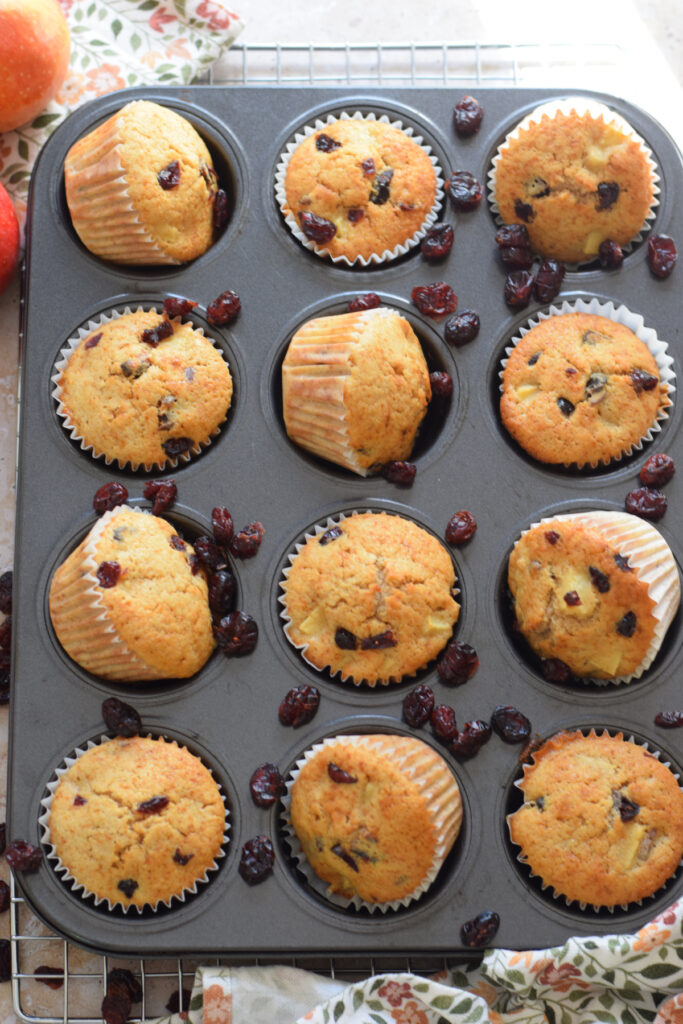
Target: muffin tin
227, 713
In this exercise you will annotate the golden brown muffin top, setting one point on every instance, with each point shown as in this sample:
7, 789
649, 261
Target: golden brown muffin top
602, 821
137, 820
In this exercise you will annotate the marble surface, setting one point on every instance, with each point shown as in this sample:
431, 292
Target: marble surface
649, 37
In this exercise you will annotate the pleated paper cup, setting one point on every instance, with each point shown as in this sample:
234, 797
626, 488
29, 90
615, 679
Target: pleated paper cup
430, 781
110, 847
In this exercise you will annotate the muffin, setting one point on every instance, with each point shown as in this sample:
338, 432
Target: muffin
596, 590
370, 598
141, 187
355, 388
127, 605
143, 389
576, 174
136, 821
602, 821
358, 188
581, 389
375, 816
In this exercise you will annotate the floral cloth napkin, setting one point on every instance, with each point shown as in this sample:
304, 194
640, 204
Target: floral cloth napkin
116, 44
613, 979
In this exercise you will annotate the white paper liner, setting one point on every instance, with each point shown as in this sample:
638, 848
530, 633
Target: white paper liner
171, 462
282, 599
292, 223
621, 315
580, 105
651, 559
76, 886
445, 817
593, 906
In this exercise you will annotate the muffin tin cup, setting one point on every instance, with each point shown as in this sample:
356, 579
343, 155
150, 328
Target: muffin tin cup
581, 105
72, 430
545, 887
320, 250
621, 315
83, 892
444, 813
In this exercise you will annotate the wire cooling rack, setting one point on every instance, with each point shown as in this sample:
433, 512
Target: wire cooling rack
596, 66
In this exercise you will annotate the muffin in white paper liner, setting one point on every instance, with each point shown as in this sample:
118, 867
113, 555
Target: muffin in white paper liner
652, 560
424, 768
545, 886
320, 249
658, 348
170, 461
80, 888
318, 531
581, 105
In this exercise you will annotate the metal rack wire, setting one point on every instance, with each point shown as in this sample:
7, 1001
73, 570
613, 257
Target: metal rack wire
397, 65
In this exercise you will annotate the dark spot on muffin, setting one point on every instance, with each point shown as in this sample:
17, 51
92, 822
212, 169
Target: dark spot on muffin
127, 886
534, 359
599, 580
182, 858
344, 855
524, 211
537, 188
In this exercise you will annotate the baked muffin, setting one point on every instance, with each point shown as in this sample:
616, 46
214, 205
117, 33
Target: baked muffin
602, 820
141, 187
355, 388
375, 815
580, 388
576, 174
370, 598
143, 389
596, 590
358, 188
136, 821
126, 604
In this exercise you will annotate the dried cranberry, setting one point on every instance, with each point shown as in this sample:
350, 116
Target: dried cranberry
517, 257
155, 805
524, 211
462, 328
572, 598
510, 724
328, 536
441, 384
345, 639
554, 670
223, 309
79, 801
472, 738
266, 785
437, 242
418, 705
399, 472
122, 980
646, 502
339, 851
174, 306
153, 335
565, 406
222, 525
643, 381
368, 166
552, 536
318, 229
175, 446
299, 705
626, 625
246, 543
108, 574
435, 300
169, 176
108, 496
4, 897
513, 236
480, 930
628, 810
236, 634
4, 677
658, 470
442, 721
379, 193
379, 641
465, 192
93, 341
6, 633
608, 193
517, 291
458, 664
121, 718
177, 543
610, 254
53, 977
222, 592
355, 215
5, 960
622, 562
599, 580
221, 207
3, 836
116, 1007
461, 527
256, 862
661, 255
162, 494
548, 280
6, 592
127, 887
23, 856
179, 1000
368, 301
211, 556
339, 776
467, 116
182, 858
669, 719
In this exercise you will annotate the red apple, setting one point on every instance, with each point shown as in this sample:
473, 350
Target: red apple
9, 239
34, 57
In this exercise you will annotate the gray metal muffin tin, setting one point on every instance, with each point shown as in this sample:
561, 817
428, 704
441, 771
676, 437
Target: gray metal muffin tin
228, 712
